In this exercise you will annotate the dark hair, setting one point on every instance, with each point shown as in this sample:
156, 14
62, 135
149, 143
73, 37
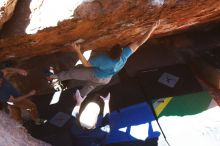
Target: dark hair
115, 52
94, 98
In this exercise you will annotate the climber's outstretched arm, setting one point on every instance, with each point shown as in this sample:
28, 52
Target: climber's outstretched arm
135, 45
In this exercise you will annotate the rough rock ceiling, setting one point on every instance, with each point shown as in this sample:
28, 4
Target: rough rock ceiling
41, 27
6, 10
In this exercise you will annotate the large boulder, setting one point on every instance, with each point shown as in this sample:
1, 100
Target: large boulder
6, 10
41, 27
14, 134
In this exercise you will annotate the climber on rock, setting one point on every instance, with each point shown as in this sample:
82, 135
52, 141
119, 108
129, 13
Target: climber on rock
10, 96
99, 69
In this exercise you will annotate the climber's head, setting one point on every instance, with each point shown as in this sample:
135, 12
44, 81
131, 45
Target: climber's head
115, 52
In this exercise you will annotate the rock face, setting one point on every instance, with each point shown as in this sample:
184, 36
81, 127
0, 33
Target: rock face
41, 27
6, 10
14, 134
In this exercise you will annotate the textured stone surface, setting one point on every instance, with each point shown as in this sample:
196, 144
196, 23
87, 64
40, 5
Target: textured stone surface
6, 10
14, 134
100, 23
